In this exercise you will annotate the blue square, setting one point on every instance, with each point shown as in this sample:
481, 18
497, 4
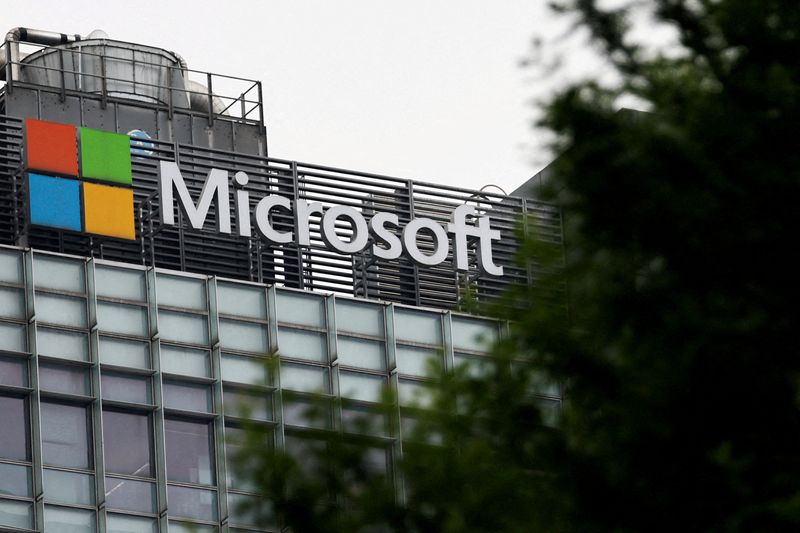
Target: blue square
54, 202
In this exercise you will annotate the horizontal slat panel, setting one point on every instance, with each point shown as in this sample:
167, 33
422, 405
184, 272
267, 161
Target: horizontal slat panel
316, 267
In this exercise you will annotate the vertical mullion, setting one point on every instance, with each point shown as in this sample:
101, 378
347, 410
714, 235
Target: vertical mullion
333, 363
159, 446
219, 420
274, 367
34, 399
447, 341
97, 405
395, 418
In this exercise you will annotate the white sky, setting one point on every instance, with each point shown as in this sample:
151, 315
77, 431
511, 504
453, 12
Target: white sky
429, 90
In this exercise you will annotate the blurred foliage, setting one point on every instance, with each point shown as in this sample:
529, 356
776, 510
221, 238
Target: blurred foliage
679, 350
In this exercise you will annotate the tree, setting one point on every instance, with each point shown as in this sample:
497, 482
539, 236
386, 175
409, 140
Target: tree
680, 352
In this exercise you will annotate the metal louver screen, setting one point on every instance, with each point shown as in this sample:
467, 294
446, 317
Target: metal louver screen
312, 268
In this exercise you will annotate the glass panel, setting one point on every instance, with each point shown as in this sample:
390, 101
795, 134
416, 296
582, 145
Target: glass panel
16, 514
415, 361
243, 336
361, 386
130, 495
123, 388
66, 379
128, 443
241, 300
12, 303
65, 436
234, 436
123, 352
358, 317
13, 337
14, 440
306, 412
307, 452
364, 420
471, 334
68, 487
65, 344
418, 326
410, 427
116, 523
189, 452
247, 370
15, 480
10, 266
302, 344
180, 527
187, 397
181, 292
192, 503
122, 283
545, 387
58, 273
361, 353
13, 371
120, 318
254, 405
63, 310
413, 393
477, 366
304, 378
550, 411
181, 327
300, 308
376, 460
233, 444
185, 361
63, 520
246, 510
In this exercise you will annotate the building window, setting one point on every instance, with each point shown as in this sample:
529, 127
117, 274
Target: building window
16, 480
17, 514
61, 310
73, 345
130, 495
184, 361
187, 396
190, 502
65, 436
69, 487
124, 352
14, 437
303, 344
126, 388
190, 450
64, 379
132, 524
246, 403
13, 337
66, 519
128, 443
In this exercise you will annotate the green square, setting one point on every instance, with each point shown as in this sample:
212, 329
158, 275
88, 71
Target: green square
106, 156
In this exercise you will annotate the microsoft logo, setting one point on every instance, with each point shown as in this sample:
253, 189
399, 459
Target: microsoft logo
79, 179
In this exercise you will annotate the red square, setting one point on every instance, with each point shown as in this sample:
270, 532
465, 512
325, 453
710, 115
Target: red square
51, 147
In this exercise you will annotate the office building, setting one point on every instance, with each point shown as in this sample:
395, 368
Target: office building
153, 255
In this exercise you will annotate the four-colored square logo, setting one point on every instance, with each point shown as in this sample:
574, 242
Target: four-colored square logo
60, 159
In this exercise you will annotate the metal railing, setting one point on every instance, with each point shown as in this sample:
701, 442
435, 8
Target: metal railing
61, 70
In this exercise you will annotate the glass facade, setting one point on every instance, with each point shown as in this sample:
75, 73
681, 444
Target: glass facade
119, 385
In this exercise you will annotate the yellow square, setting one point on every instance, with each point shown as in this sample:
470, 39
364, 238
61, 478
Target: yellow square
108, 211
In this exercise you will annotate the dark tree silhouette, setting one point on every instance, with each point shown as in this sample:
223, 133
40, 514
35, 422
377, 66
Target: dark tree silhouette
680, 349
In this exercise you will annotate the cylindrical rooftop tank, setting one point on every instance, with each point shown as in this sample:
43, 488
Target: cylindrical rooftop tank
130, 70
